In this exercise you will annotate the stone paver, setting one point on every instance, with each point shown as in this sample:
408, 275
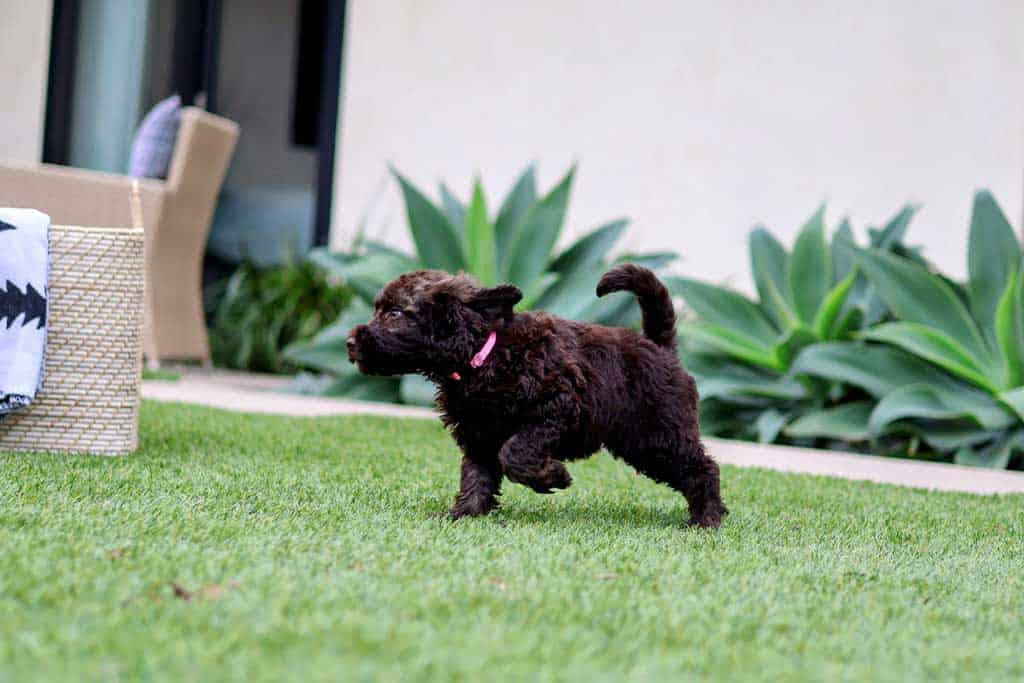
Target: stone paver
242, 392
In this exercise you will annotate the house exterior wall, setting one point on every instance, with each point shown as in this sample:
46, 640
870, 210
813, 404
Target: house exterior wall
695, 119
24, 63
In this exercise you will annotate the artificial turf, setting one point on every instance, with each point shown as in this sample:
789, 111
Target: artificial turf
254, 547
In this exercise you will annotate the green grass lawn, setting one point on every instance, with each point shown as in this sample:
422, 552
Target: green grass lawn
249, 547
161, 375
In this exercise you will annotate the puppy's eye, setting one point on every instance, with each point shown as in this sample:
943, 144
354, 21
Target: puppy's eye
393, 314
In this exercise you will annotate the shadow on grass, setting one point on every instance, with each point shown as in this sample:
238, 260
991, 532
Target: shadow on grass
607, 514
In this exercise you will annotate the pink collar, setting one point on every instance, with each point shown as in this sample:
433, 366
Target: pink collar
481, 356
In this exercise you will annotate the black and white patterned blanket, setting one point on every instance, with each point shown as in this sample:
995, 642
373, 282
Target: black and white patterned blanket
24, 272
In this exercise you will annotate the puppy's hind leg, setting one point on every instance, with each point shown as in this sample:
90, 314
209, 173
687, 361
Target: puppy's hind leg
692, 472
701, 487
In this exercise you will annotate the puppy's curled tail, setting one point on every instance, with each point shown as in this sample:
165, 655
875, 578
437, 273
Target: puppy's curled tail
655, 302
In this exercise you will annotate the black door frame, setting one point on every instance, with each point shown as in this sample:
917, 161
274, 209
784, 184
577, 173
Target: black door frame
330, 120
60, 86
195, 70
196, 51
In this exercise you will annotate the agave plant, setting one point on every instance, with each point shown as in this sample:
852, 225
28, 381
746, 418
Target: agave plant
741, 351
516, 244
950, 369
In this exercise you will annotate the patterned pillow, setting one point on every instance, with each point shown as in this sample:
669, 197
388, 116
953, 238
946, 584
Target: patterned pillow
153, 145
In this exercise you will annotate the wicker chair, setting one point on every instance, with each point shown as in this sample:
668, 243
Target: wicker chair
177, 214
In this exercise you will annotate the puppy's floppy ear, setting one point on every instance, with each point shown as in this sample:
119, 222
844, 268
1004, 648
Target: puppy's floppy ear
445, 306
495, 302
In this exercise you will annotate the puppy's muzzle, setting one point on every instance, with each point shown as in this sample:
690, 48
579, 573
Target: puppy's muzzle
352, 344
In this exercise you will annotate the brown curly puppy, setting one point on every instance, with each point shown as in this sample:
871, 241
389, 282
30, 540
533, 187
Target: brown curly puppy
522, 392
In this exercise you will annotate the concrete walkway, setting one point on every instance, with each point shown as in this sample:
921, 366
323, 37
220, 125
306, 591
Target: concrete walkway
248, 393
242, 392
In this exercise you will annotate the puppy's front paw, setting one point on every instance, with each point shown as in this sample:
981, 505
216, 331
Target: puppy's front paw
553, 475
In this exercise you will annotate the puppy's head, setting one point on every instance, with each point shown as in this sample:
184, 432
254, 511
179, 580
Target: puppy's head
429, 322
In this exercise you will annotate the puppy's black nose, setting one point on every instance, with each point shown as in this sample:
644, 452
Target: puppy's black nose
353, 355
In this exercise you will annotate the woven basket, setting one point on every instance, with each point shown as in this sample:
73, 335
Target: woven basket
89, 401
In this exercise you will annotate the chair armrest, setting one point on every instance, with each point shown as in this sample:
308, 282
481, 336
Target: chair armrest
74, 196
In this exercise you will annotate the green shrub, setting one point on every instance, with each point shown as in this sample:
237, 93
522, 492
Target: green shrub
868, 349
741, 351
950, 368
257, 313
517, 244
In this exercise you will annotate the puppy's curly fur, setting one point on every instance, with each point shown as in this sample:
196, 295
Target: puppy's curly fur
552, 390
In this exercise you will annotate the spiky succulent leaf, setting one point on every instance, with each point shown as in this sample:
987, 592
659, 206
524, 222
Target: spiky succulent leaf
768, 263
725, 308
810, 268
455, 210
538, 232
732, 343
921, 401
480, 251
843, 260
517, 204
437, 242
769, 424
996, 455
993, 255
936, 347
1009, 329
918, 296
571, 293
591, 249
848, 422
828, 313
652, 261
891, 236
720, 377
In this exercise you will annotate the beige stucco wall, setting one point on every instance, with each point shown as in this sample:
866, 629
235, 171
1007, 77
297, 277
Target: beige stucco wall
24, 62
697, 119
